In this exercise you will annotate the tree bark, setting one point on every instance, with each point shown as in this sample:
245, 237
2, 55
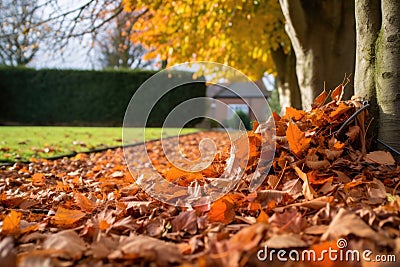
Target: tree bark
378, 61
287, 83
368, 24
322, 33
388, 75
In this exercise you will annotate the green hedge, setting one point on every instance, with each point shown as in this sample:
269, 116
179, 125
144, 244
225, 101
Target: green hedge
82, 98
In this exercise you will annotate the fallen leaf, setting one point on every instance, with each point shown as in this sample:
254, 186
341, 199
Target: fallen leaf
186, 221
341, 109
316, 203
316, 229
290, 220
347, 223
266, 196
248, 238
222, 210
377, 191
380, 157
155, 227
294, 188
149, 250
68, 244
353, 132
66, 217
294, 114
11, 223
262, 217
285, 241
38, 179
298, 142
84, 203
7, 252
320, 100
308, 191
319, 164
337, 93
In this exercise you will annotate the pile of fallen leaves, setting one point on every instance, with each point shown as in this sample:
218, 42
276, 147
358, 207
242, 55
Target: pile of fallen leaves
323, 186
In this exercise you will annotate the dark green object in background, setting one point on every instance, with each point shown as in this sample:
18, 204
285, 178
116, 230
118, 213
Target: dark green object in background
79, 98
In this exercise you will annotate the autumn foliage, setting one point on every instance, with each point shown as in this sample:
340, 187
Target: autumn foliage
323, 186
240, 34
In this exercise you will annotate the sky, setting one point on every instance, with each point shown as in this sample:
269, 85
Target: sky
79, 54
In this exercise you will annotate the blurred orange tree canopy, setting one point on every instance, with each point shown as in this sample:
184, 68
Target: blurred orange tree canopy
240, 34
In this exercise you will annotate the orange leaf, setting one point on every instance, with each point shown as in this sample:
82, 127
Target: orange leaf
342, 108
255, 125
262, 217
38, 179
320, 100
11, 223
353, 184
337, 93
276, 116
294, 114
66, 217
184, 177
298, 142
83, 202
104, 225
222, 210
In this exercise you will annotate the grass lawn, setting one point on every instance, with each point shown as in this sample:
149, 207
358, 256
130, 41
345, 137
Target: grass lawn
22, 143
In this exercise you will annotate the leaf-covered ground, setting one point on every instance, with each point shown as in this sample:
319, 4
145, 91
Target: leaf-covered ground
323, 192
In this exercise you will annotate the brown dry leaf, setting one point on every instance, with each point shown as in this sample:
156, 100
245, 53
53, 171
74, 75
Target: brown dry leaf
102, 247
308, 191
7, 253
320, 100
337, 93
294, 188
353, 132
11, 223
333, 154
84, 203
318, 164
316, 203
377, 191
68, 244
266, 196
298, 142
347, 223
186, 221
222, 210
155, 227
149, 250
380, 157
248, 238
66, 217
290, 220
286, 241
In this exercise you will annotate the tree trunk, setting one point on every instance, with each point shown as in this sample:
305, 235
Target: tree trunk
322, 33
288, 87
377, 76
